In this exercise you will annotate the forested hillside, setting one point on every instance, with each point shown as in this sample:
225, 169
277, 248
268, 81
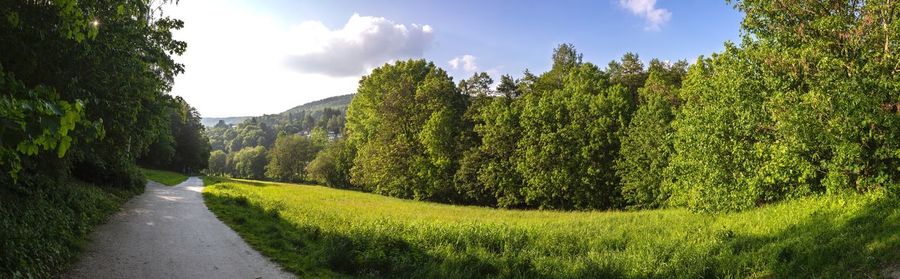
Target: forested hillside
337, 103
212, 121
84, 96
277, 146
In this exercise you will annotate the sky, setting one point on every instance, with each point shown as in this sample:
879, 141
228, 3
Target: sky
254, 57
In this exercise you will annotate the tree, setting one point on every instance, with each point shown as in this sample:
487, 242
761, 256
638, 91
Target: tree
508, 87
565, 57
191, 143
717, 134
220, 135
108, 115
289, 156
668, 73
217, 163
570, 140
628, 73
18, 108
496, 174
806, 104
249, 162
478, 92
251, 133
402, 123
832, 71
479, 85
79, 103
183, 146
318, 138
647, 143
221, 124
332, 165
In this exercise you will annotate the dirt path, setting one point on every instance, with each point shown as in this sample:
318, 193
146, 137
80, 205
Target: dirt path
168, 232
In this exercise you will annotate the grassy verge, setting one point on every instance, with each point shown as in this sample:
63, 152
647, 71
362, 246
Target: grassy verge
42, 229
317, 231
165, 177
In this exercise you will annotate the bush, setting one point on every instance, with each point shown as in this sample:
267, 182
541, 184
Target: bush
332, 165
44, 228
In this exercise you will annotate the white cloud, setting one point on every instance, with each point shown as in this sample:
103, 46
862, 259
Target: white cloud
237, 67
466, 62
647, 9
363, 43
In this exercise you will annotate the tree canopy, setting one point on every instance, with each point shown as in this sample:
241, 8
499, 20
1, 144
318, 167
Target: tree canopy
403, 123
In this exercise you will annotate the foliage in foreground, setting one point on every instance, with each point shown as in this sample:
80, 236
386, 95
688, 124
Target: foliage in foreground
82, 95
316, 231
165, 177
42, 229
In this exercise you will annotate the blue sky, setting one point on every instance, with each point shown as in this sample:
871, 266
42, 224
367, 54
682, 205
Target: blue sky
249, 57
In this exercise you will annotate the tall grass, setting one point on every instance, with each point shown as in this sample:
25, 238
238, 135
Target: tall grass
165, 177
317, 231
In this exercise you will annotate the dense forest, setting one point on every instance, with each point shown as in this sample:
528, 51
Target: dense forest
805, 104
84, 99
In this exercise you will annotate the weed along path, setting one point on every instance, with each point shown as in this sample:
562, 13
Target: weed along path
168, 232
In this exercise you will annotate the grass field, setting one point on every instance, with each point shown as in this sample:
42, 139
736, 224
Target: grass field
318, 231
165, 177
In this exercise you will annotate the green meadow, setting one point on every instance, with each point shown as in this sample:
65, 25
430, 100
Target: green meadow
167, 178
326, 232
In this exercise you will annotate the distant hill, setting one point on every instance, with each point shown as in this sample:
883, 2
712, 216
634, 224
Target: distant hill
211, 121
337, 102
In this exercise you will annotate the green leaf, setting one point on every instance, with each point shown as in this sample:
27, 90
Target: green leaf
64, 144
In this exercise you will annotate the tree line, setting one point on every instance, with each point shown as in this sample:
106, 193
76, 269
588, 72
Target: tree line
275, 147
806, 104
182, 146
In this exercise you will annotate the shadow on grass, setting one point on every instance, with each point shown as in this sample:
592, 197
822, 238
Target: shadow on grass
310, 252
821, 246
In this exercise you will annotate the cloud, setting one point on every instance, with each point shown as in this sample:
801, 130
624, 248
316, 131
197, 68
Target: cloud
647, 9
237, 67
466, 62
363, 43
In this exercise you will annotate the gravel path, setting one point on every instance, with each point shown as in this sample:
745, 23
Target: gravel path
168, 232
